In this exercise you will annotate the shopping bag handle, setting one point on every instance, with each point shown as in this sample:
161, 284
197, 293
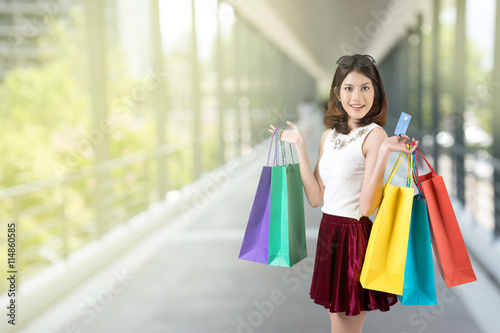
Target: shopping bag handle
428, 164
279, 145
410, 168
283, 153
393, 172
396, 167
271, 145
282, 146
416, 176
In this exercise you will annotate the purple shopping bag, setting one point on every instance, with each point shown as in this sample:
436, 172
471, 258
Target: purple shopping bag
255, 245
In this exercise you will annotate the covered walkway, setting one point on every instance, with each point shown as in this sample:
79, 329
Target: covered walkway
132, 153
186, 278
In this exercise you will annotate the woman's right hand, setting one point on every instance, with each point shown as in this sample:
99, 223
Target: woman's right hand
293, 136
398, 144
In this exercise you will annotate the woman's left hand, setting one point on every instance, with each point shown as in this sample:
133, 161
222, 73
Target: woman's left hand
398, 143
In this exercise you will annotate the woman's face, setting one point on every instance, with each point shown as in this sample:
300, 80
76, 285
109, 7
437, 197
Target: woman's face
356, 95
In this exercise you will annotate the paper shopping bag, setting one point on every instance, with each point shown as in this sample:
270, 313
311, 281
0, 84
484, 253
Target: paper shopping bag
449, 248
255, 245
287, 238
419, 287
384, 264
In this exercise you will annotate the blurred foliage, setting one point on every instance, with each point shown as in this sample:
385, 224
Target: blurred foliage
478, 83
49, 133
47, 121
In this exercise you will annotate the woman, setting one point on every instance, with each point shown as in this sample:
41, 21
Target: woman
348, 179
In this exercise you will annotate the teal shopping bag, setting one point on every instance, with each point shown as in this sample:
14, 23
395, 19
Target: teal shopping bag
287, 237
419, 287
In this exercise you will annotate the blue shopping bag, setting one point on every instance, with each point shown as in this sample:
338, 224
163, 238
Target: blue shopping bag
419, 287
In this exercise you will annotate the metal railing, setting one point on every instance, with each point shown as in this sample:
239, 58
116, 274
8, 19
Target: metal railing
59, 215
479, 183
479, 170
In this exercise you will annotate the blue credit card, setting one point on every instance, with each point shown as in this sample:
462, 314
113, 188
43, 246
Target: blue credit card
404, 121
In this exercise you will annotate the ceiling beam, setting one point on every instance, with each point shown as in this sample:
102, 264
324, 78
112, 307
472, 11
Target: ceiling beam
269, 23
404, 16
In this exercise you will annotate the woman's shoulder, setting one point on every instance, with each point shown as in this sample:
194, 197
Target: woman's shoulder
325, 134
374, 138
373, 126
376, 131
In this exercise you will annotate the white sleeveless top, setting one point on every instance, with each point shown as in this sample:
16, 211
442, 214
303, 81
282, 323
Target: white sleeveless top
341, 168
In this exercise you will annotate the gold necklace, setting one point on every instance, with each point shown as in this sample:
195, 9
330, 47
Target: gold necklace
339, 143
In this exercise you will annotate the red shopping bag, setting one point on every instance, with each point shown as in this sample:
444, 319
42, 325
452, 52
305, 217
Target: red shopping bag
447, 241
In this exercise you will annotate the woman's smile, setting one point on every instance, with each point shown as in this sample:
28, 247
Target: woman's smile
357, 107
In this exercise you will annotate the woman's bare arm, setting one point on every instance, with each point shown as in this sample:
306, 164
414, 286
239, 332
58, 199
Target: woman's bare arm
313, 185
377, 148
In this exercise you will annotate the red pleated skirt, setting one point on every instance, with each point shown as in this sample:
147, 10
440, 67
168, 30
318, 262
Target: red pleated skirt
337, 266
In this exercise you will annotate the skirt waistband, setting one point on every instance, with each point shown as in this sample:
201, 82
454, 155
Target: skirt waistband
341, 219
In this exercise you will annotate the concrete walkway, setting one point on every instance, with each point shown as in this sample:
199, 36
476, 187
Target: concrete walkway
187, 278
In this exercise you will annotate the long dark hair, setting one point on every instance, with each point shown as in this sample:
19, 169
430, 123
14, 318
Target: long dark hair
336, 116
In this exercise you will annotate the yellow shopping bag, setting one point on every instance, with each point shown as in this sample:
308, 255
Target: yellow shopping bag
384, 264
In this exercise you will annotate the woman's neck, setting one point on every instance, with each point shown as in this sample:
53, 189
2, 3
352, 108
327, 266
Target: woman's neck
352, 125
